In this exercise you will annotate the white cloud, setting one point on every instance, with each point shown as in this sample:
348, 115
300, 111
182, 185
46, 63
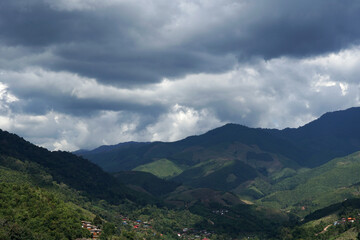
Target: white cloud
5, 96
282, 92
181, 122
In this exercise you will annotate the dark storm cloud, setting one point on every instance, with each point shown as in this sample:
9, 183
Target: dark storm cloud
276, 28
121, 44
34, 23
307, 28
41, 101
98, 72
136, 66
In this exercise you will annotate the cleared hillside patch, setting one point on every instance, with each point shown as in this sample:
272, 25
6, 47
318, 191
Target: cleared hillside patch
162, 168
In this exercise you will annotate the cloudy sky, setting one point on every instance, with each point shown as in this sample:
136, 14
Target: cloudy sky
83, 73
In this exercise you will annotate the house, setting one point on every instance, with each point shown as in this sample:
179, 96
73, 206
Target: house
95, 232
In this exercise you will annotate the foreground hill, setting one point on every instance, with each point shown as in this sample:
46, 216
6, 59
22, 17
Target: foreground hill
338, 221
67, 168
30, 212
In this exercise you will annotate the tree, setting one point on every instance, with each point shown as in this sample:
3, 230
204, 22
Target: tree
97, 221
107, 231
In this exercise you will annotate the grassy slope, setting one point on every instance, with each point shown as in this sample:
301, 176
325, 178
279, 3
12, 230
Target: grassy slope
316, 188
217, 174
162, 168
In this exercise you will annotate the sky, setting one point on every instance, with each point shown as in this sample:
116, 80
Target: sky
77, 74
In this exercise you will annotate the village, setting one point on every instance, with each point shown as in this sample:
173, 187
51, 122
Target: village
145, 229
95, 231
220, 211
344, 220
194, 234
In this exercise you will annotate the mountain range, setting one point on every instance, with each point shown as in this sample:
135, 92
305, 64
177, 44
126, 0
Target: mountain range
233, 181
229, 157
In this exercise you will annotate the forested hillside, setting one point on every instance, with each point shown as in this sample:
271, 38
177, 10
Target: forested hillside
40, 200
76, 172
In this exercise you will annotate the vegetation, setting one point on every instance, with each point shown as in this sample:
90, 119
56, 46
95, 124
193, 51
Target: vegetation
185, 197
338, 221
254, 221
67, 168
316, 188
162, 168
31, 213
221, 176
146, 182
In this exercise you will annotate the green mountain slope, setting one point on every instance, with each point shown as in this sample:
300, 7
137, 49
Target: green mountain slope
33, 206
316, 188
146, 182
67, 168
217, 175
186, 197
31, 213
162, 168
338, 221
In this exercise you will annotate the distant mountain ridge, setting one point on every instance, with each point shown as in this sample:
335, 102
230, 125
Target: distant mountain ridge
234, 154
334, 134
107, 148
